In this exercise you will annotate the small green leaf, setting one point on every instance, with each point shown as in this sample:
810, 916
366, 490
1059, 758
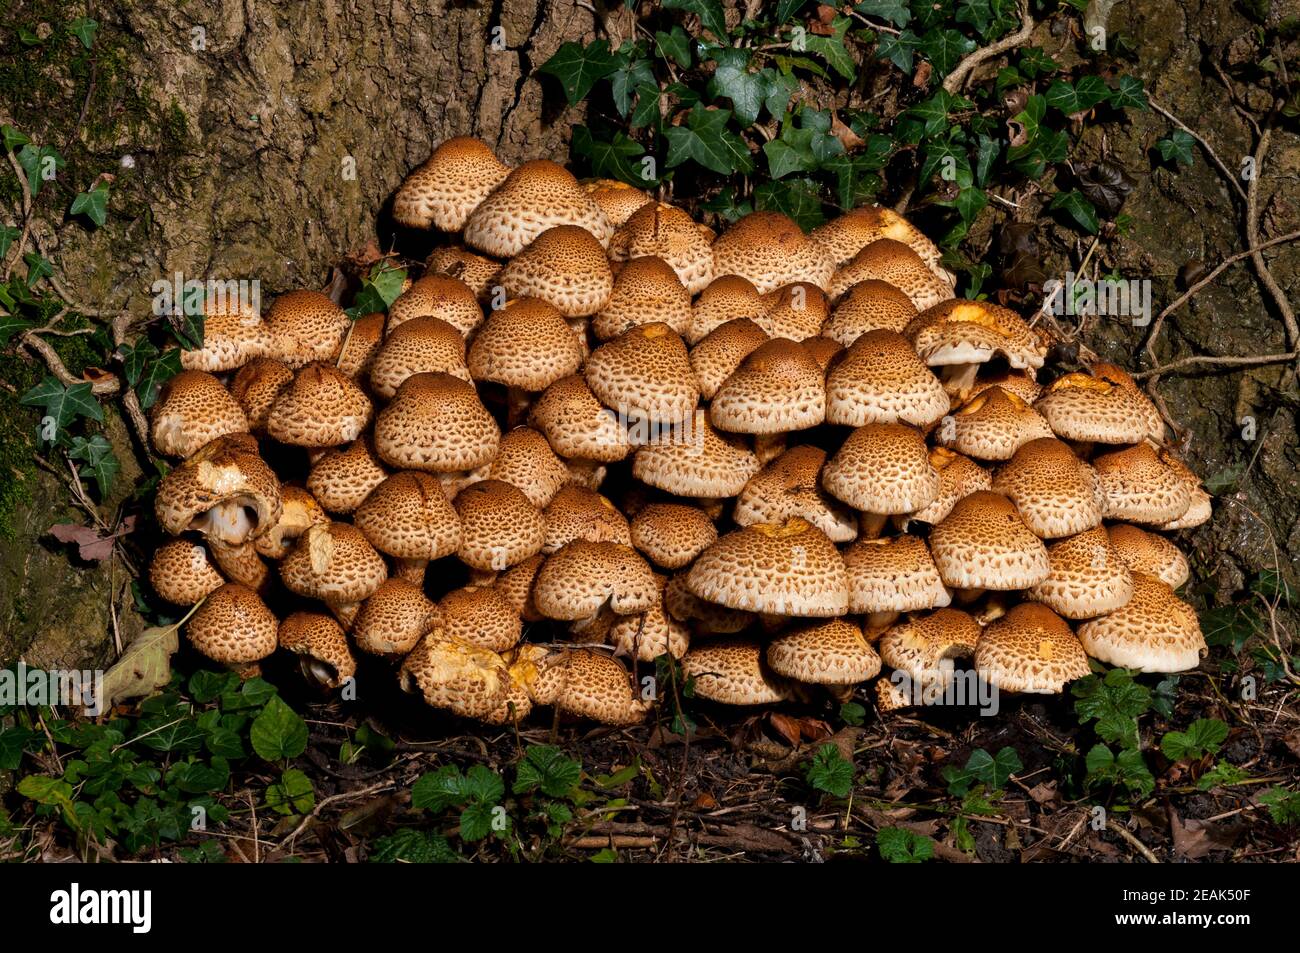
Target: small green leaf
40, 164
479, 819
894, 11
1177, 147
1114, 702
410, 846
10, 326
1079, 208
101, 464
709, 11
278, 732
832, 49
830, 772
945, 49
292, 794
706, 140
546, 767
38, 267
94, 204
1129, 94
157, 371
1283, 805
83, 28
1202, 737
898, 845
13, 139
439, 790
579, 68
674, 45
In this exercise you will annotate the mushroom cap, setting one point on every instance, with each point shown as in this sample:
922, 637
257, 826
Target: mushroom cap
299, 511
919, 646
708, 618
853, 231
651, 634
721, 351
1056, 493
796, 311
446, 297
321, 645
306, 326
789, 568
333, 562
193, 409
1200, 506
256, 387
959, 476
993, 426
734, 673
1016, 383
534, 197
881, 380
450, 184
1117, 375
232, 336
984, 544
526, 345
827, 653
883, 468
645, 374
789, 486
770, 250
408, 516
1154, 631
705, 465
726, 298
1088, 577
323, 407
565, 266
420, 345
616, 199
361, 344
469, 680
824, 350
233, 626
182, 573
1083, 407
223, 490
668, 233
957, 331
436, 422
241, 563
343, 477
777, 388
579, 513
393, 618
871, 305
522, 671
590, 685
581, 577
671, 535
1139, 485
525, 459
500, 526
646, 291
575, 423
894, 262
1030, 649
481, 615
516, 584
895, 574
1149, 553
477, 273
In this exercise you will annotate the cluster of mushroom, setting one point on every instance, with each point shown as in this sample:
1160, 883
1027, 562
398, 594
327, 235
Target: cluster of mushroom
815, 461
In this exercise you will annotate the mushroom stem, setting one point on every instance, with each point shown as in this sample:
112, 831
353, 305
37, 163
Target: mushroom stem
246, 670
965, 597
345, 612
959, 379
241, 564
1082, 448
768, 446
412, 570
841, 693
870, 524
878, 622
517, 403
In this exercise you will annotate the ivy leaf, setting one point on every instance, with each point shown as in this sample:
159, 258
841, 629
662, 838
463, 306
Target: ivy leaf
626, 79
986, 153
1073, 99
278, 732
611, 160
785, 9
978, 13
63, 404
83, 28
579, 68
1129, 94
379, 290
37, 268
12, 137
101, 464
646, 110
157, 371
1079, 208
674, 45
10, 325
1177, 147
895, 11
898, 845
832, 48
1203, 736
733, 80
945, 49
796, 198
1034, 62
706, 140
709, 12
94, 204
40, 163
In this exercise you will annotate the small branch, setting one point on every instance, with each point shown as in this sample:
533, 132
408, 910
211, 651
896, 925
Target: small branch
1211, 360
104, 387
957, 78
1136, 844
1252, 239
1209, 151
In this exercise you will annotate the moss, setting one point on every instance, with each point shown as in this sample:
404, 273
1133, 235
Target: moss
17, 440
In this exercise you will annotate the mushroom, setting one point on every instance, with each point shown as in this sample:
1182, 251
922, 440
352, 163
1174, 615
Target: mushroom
224, 490
1154, 631
582, 577
1090, 409
706, 618
960, 336
324, 654
233, 335
871, 305
481, 615
778, 388
182, 573
335, 563
734, 673
306, 326
671, 535
500, 527
393, 618
796, 311
421, 345
788, 486
343, 477
565, 266
436, 422
881, 380
322, 407
576, 425
477, 274
645, 375
706, 467
525, 460
720, 352
361, 344
193, 409
1088, 577
233, 627
770, 250
579, 513
882, 470
831, 653
408, 517
1138, 484
958, 477
616, 199
726, 298
534, 197
1030, 649
1056, 493
650, 634
468, 680
241, 563
668, 233
450, 184
525, 346
923, 650
445, 297
256, 387
299, 511
853, 231
590, 685
993, 426
894, 262
516, 584
890, 576
1149, 553
646, 291
984, 544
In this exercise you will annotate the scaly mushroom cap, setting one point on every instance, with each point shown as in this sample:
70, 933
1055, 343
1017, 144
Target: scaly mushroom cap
408, 516
421, 345
233, 626
721, 351
704, 466
564, 266
450, 298
645, 374
526, 345
436, 422
870, 305
394, 618
853, 231
789, 568
707, 618
361, 345
477, 273
182, 573
1154, 632
734, 673
223, 490
1083, 407
829, 653
468, 680
956, 332
1056, 493
516, 584
192, 410
1200, 505
669, 233
1155, 424
333, 562
256, 387
984, 544
919, 647
1138, 484
777, 388
651, 634
534, 197
481, 615
770, 250
789, 486
881, 380
893, 575
323, 407
993, 426
589, 685
672, 534
825, 351
343, 477
891, 261
579, 513
306, 326
1030, 649
646, 291
958, 477
233, 335
726, 298
500, 526
450, 184
321, 646
1016, 383
616, 199
241, 563
299, 512
575, 423
1088, 577
526, 460
1149, 553
796, 311
883, 468
582, 577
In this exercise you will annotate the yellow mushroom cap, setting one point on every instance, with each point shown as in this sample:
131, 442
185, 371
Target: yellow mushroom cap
893, 262
469, 680
300, 511
993, 426
1089, 408
616, 199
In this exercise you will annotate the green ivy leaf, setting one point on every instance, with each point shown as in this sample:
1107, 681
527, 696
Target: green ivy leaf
832, 49
63, 404
898, 845
38, 267
83, 28
93, 204
1034, 62
11, 325
733, 80
629, 76
1079, 208
278, 732
785, 9
1129, 94
674, 45
706, 140
1073, 99
1177, 147
1203, 736
579, 68
709, 12
101, 464
894, 11
379, 290
945, 49
797, 198
157, 371
13, 139
38, 162
612, 160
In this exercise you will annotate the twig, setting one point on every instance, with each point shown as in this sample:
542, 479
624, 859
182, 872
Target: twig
1211, 360
104, 387
1136, 844
1209, 150
1252, 239
957, 78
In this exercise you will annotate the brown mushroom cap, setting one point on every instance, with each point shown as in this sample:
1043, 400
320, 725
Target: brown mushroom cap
575, 423
796, 311
993, 426
893, 575
881, 380
577, 512
445, 297
1200, 506
1030, 649
182, 573
726, 298
650, 634
534, 197
481, 615
408, 516
516, 584
241, 563
789, 486
323, 407
500, 526
777, 388
526, 345
436, 422
1154, 631
525, 459
300, 511
790, 568
233, 626
393, 618
721, 351
590, 685
672, 534
343, 477
646, 291
469, 680
361, 344
582, 577
450, 184
1088, 578
770, 250
193, 409
1118, 376
335, 563
223, 490
734, 673
895, 263
703, 466
1056, 493
882, 468
420, 345
871, 305
1084, 407
321, 645
306, 326
233, 335
919, 647
1149, 553
669, 233
984, 544
958, 333
645, 374
853, 231
1138, 484
616, 199
477, 273
958, 477
828, 653
707, 618
564, 266
1016, 383
256, 387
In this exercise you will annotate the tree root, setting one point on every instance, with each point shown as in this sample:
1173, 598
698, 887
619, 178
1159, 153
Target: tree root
957, 78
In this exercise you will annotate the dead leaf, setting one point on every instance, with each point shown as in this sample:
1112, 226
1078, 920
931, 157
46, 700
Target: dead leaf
786, 727
1292, 741
921, 78
847, 137
144, 667
1194, 839
705, 802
